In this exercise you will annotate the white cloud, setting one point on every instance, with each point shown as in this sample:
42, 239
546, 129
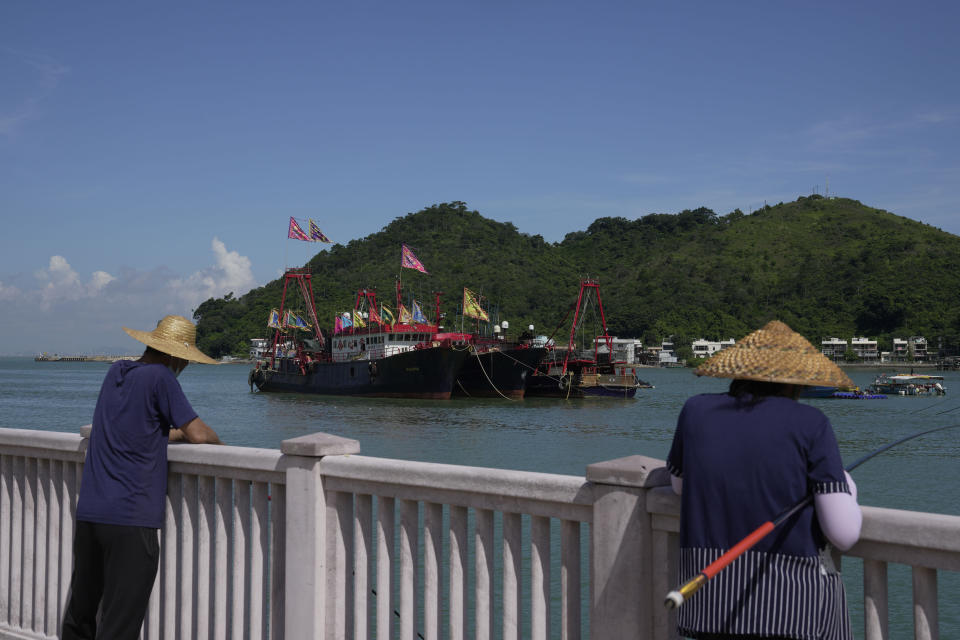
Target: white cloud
8, 292
61, 310
231, 273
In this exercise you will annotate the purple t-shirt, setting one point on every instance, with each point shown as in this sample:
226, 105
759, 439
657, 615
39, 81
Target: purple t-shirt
125, 474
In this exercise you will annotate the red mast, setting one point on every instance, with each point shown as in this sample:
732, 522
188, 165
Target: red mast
302, 278
585, 287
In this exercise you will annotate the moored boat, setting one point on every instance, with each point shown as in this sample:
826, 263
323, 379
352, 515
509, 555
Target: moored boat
909, 385
368, 358
584, 373
494, 368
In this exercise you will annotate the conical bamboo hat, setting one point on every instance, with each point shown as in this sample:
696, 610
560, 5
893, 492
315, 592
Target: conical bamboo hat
775, 353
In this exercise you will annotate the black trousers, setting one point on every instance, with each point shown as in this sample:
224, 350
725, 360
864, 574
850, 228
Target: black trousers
114, 568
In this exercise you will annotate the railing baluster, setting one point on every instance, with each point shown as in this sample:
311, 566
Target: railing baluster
258, 551
278, 536
16, 542
241, 525
432, 571
174, 516
458, 572
40, 547
409, 543
29, 550
56, 539
570, 579
6, 518
151, 621
483, 566
926, 624
340, 549
385, 524
362, 523
223, 490
539, 578
205, 528
512, 568
875, 602
664, 621
68, 512
188, 527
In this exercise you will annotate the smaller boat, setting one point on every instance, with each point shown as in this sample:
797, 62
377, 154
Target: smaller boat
908, 385
584, 373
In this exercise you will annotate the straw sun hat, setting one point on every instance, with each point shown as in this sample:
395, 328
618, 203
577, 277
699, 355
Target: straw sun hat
775, 353
174, 335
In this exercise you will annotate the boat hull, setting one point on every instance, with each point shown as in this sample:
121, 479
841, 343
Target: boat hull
498, 373
587, 386
420, 373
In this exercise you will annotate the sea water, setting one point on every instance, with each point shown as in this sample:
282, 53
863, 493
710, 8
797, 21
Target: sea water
547, 435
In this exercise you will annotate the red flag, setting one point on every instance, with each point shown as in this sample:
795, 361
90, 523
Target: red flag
296, 233
408, 260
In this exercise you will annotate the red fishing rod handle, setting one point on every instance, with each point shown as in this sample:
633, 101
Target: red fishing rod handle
676, 598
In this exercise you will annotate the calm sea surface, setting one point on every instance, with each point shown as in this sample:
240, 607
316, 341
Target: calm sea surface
553, 436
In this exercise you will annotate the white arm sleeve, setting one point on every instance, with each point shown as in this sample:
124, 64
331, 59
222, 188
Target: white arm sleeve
839, 515
677, 484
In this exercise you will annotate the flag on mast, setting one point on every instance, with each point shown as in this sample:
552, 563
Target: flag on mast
410, 261
386, 314
273, 321
315, 234
471, 306
295, 232
418, 313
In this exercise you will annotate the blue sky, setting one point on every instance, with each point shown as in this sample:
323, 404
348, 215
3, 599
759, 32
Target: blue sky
151, 155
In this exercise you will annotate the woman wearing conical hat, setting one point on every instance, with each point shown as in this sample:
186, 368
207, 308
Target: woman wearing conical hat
738, 459
124, 486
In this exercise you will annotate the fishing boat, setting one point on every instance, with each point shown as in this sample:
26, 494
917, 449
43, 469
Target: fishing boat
909, 385
584, 372
495, 368
368, 357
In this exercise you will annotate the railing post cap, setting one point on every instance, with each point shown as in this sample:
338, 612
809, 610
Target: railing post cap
318, 445
631, 471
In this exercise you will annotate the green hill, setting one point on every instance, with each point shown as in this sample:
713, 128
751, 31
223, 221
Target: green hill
826, 267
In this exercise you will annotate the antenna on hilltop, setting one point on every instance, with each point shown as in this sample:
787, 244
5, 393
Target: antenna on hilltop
828, 185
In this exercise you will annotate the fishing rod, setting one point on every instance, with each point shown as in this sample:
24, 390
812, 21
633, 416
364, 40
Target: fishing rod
676, 598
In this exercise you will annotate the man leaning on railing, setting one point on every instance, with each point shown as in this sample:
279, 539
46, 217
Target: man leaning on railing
121, 504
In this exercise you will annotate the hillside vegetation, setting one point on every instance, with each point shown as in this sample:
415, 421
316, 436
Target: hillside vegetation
826, 267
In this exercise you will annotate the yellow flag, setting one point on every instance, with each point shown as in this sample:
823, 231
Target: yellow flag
471, 306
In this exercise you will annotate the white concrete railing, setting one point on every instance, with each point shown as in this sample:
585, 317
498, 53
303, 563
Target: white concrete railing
926, 542
312, 542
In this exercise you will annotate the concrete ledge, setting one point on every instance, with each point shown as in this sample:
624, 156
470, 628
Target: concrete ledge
631, 471
317, 445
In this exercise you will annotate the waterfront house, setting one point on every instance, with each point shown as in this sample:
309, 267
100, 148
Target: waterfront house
259, 348
668, 357
624, 349
865, 348
919, 344
913, 348
833, 348
706, 348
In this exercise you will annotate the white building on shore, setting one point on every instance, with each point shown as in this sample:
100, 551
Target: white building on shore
706, 348
833, 348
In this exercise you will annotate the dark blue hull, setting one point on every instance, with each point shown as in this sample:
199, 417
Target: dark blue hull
420, 373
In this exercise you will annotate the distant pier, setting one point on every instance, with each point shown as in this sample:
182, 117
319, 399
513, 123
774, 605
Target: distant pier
46, 357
